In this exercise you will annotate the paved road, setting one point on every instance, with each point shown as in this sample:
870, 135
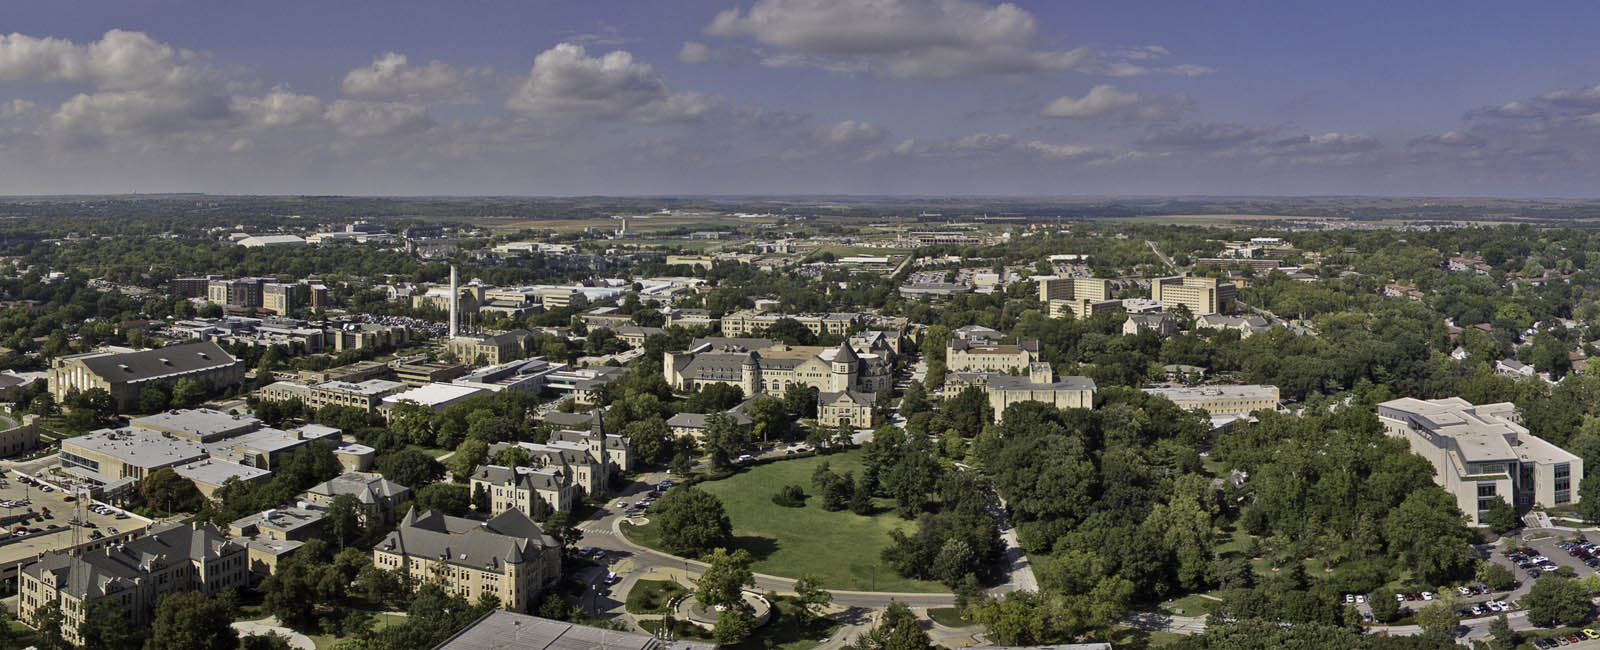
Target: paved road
1164, 259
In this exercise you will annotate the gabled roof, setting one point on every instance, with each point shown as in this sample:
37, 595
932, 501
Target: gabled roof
509, 538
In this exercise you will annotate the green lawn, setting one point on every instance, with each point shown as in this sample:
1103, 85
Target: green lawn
652, 596
18, 636
950, 617
1190, 605
841, 548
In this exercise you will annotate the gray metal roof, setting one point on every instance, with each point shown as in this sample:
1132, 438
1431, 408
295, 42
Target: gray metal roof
160, 362
509, 538
502, 630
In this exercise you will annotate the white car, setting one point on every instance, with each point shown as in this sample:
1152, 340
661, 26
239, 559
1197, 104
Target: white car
1493, 606
1504, 606
1349, 598
1427, 595
1361, 599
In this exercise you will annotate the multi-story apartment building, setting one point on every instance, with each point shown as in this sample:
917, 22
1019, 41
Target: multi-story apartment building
961, 355
1200, 295
238, 292
278, 298
508, 557
1082, 297
123, 374
133, 575
1482, 453
191, 287
762, 366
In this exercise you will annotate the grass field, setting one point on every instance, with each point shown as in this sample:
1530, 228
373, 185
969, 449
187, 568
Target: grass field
950, 617
841, 548
652, 596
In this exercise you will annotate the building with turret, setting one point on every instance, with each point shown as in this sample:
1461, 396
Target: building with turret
770, 367
575, 461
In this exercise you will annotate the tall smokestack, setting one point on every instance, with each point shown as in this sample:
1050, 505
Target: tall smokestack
455, 297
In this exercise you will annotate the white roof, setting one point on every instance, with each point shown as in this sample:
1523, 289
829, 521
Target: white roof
433, 394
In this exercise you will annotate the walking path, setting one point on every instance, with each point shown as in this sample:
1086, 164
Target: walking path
270, 625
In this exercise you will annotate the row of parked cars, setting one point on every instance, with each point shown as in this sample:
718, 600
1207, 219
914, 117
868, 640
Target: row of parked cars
1558, 641
1532, 561
1585, 551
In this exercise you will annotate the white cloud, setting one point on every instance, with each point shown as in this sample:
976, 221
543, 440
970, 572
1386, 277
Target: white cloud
1449, 139
914, 39
365, 119
279, 107
391, 76
1575, 97
998, 148
566, 82
1107, 101
17, 109
1203, 136
694, 53
849, 132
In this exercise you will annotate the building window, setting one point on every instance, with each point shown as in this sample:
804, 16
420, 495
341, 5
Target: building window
1563, 484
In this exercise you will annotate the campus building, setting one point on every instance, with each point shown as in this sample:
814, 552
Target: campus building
133, 575
508, 557
1221, 399
1081, 297
747, 321
962, 355
1200, 295
847, 408
1039, 385
123, 374
490, 350
583, 456
763, 366
379, 497
1482, 453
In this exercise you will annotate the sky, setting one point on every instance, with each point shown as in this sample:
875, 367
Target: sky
764, 97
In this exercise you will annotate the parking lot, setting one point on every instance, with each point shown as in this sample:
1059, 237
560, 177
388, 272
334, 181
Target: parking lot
38, 518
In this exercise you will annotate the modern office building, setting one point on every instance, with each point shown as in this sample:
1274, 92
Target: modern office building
1200, 295
1082, 297
1483, 452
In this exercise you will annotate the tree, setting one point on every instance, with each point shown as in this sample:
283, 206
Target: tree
800, 401
770, 421
1438, 618
693, 522
452, 499
469, 455
1589, 496
166, 491
343, 519
189, 620
1427, 532
1505, 638
724, 439
47, 619
512, 456
732, 626
1384, 607
651, 439
564, 530
722, 584
1555, 601
411, 468
480, 498
153, 398
915, 400
1495, 576
897, 629
811, 596
268, 641
290, 593
1502, 518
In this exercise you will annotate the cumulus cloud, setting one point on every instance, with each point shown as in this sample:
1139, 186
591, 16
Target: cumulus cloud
1108, 102
694, 53
1325, 144
1574, 97
18, 108
364, 119
915, 39
566, 82
279, 107
1513, 110
849, 132
392, 77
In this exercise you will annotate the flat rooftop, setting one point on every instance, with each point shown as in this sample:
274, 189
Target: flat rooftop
1482, 433
137, 447
196, 423
1220, 391
433, 394
368, 387
214, 472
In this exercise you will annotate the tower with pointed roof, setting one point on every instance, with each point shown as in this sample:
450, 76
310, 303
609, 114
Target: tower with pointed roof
844, 365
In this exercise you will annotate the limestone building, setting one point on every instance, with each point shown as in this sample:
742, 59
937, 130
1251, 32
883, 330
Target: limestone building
508, 557
123, 374
764, 366
1200, 295
962, 355
1038, 385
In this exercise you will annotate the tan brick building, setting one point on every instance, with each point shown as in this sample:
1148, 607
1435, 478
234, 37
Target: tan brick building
508, 556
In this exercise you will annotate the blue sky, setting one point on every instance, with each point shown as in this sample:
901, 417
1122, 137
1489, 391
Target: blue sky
800, 97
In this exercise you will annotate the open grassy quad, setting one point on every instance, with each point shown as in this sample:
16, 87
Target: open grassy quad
841, 548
